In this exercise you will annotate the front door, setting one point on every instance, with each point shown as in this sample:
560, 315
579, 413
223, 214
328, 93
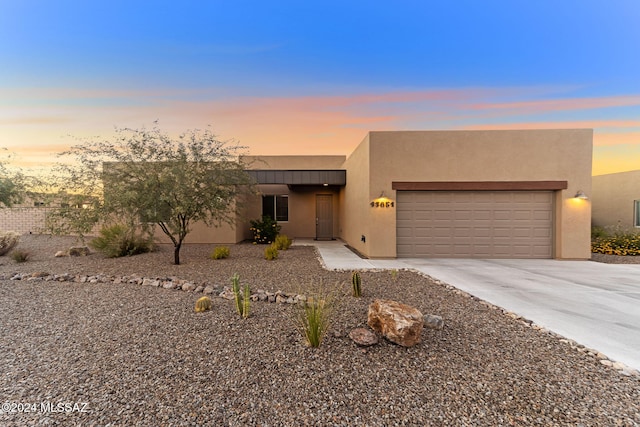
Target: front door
324, 217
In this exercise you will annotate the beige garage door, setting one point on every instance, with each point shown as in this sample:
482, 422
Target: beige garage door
475, 224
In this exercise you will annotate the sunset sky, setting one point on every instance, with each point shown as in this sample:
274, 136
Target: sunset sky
301, 77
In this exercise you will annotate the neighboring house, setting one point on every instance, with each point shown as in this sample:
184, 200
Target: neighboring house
487, 194
24, 218
616, 200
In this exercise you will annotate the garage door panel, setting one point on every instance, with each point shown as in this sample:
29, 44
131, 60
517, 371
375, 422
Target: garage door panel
483, 224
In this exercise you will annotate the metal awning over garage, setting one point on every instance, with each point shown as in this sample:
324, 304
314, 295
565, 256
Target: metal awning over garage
300, 177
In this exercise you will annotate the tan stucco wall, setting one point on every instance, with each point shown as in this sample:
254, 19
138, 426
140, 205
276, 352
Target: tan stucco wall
612, 198
505, 155
354, 199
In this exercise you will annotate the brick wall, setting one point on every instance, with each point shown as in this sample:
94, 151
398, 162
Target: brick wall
23, 220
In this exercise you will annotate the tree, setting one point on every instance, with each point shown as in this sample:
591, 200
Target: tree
146, 177
12, 185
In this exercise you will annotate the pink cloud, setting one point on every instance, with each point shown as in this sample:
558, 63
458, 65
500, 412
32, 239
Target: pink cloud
562, 104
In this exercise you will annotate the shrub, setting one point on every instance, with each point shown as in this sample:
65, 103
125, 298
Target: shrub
313, 316
203, 304
625, 244
282, 242
598, 232
7, 241
20, 256
270, 253
265, 230
220, 252
121, 240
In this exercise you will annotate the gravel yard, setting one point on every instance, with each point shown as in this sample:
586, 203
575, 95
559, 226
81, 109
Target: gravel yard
140, 355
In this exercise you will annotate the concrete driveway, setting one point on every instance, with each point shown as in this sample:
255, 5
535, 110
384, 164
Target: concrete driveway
594, 304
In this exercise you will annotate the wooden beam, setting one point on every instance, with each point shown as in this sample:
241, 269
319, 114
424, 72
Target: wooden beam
480, 185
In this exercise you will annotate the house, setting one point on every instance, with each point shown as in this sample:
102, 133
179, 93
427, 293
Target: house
616, 200
485, 194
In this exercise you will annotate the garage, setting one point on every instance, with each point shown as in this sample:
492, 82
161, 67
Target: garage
475, 224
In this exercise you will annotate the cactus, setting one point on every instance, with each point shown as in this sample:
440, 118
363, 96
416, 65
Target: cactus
242, 299
203, 304
245, 301
356, 283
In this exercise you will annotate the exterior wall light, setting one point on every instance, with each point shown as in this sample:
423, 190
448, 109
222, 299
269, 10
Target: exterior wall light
382, 202
580, 195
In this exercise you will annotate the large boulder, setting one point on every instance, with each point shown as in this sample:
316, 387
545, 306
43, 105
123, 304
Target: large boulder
397, 322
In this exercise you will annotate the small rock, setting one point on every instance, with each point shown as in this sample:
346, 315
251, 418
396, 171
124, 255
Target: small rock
208, 290
363, 337
188, 287
433, 322
150, 282
168, 285
61, 254
79, 251
40, 274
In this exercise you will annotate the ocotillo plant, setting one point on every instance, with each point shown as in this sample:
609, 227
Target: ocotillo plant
356, 283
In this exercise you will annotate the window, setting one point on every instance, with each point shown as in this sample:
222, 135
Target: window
276, 207
636, 213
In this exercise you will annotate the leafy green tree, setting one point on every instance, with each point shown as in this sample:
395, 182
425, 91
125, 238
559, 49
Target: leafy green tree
12, 185
144, 177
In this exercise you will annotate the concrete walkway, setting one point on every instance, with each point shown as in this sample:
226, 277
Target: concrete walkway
594, 304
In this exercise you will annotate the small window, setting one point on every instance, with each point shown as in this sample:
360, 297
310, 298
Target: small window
636, 213
276, 207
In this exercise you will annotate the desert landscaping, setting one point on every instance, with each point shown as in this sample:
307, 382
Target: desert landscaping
86, 331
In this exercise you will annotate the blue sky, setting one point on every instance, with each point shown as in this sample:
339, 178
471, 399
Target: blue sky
311, 78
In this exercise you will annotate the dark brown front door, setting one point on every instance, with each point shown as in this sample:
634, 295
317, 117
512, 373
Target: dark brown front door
324, 216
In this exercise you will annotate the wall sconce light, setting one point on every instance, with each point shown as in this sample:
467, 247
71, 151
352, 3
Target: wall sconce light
382, 202
580, 195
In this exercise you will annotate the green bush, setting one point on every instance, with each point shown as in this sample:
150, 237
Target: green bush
220, 252
265, 230
7, 241
282, 242
313, 316
598, 232
120, 240
20, 256
271, 253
